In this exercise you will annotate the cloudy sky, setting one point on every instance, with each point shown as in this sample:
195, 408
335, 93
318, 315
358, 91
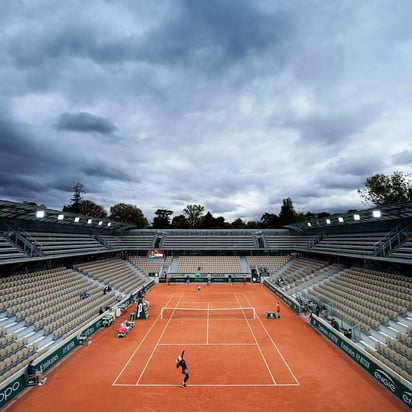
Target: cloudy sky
231, 104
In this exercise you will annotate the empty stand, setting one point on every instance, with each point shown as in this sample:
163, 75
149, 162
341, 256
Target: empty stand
65, 243
351, 243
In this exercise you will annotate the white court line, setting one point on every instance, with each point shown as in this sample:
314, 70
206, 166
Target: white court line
202, 344
275, 346
207, 324
208, 344
257, 345
137, 348
156, 345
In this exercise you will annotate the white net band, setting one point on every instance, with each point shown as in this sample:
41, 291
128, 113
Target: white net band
205, 313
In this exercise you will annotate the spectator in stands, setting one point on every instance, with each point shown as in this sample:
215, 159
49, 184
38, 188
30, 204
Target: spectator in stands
85, 295
101, 311
335, 324
348, 333
33, 373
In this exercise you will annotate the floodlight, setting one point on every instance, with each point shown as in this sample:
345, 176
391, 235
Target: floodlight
76, 219
356, 217
100, 223
89, 221
309, 224
376, 213
109, 224
328, 221
60, 217
340, 219
40, 214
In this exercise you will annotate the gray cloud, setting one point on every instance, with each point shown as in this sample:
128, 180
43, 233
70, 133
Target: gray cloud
403, 158
85, 123
235, 105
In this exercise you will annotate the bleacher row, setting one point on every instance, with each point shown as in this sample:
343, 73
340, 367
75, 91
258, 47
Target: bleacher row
48, 303
148, 266
15, 353
50, 244
270, 263
211, 242
353, 243
209, 264
115, 272
396, 355
371, 299
42, 299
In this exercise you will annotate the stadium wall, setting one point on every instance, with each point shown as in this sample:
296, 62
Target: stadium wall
396, 385
13, 386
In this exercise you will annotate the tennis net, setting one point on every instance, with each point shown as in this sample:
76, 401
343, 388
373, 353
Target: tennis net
208, 313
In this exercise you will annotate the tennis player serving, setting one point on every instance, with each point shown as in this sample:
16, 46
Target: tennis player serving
181, 363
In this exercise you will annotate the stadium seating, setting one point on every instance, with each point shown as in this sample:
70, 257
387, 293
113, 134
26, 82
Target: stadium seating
8, 250
115, 272
65, 243
351, 243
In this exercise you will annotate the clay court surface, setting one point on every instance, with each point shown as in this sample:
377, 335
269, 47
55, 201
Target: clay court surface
236, 363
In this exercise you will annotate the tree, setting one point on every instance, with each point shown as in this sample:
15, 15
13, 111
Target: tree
180, 222
238, 224
162, 219
76, 200
83, 206
89, 208
382, 190
269, 221
125, 213
220, 223
252, 225
208, 221
193, 214
287, 213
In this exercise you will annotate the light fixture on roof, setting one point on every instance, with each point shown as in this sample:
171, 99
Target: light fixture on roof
309, 224
76, 219
60, 217
89, 221
356, 217
40, 214
109, 224
100, 223
340, 219
328, 221
376, 213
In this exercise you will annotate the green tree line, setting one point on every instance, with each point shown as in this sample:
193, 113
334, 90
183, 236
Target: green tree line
379, 190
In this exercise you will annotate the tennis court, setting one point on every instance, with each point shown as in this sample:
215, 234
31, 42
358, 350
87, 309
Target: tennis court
238, 360
218, 329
